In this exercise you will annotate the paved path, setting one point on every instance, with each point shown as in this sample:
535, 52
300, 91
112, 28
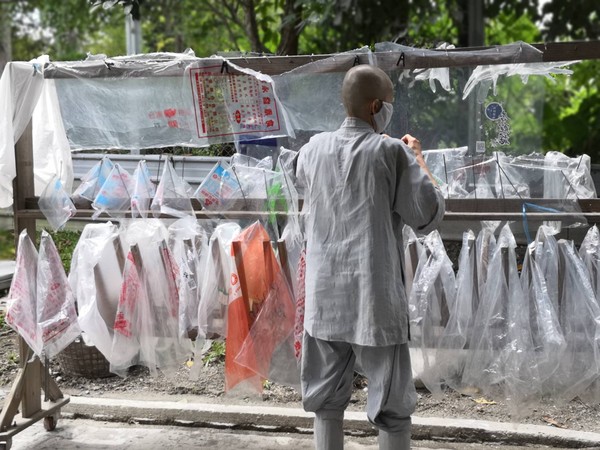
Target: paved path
94, 435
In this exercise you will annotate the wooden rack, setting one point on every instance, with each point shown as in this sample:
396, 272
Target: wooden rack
33, 375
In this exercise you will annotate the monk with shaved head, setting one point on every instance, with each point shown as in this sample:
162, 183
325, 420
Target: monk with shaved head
360, 188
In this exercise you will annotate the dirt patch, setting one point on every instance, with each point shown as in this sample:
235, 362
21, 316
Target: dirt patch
575, 415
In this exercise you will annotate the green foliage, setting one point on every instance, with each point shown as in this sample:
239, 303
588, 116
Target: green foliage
65, 241
7, 244
216, 353
2, 321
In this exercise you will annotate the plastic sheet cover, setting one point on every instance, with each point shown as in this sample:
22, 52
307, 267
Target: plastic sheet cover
312, 94
431, 299
56, 313
163, 100
502, 361
21, 312
95, 279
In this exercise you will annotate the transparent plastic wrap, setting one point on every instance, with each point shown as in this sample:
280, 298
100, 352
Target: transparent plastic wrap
172, 195
93, 180
56, 313
502, 362
286, 163
452, 349
579, 316
441, 163
311, 94
188, 242
431, 299
568, 178
590, 255
148, 311
163, 100
485, 77
413, 252
21, 312
95, 279
143, 191
56, 205
539, 279
114, 197
267, 349
244, 160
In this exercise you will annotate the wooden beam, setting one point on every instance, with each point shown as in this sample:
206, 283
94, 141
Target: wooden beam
276, 65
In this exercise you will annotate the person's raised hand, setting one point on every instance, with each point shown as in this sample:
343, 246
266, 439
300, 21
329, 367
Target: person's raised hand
413, 143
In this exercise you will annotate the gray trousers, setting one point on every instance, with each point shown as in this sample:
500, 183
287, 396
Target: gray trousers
327, 376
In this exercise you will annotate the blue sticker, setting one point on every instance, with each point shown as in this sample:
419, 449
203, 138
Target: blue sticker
493, 111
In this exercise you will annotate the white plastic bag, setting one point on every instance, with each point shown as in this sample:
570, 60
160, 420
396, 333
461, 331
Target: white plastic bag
95, 279
56, 313
21, 312
217, 188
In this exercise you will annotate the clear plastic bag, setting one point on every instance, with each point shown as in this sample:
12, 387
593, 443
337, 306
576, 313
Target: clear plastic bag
114, 197
95, 279
539, 277
217, 188
452, 352
188, 242
21, 312
172, 195
146, 329
143, 191
566, 177
431, 299
56, 313
590, 254
413, 252
502, 362
56, 205
579, 316
93, 180
217, 267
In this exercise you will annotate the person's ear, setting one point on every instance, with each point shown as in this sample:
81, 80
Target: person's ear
376, 106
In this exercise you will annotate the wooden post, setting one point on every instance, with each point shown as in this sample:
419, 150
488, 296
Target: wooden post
23, 188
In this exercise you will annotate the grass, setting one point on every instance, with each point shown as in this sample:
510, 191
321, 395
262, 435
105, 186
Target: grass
216, 354
65, 242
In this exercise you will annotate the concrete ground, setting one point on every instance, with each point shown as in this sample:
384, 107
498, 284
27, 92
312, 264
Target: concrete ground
104, 423
84, 434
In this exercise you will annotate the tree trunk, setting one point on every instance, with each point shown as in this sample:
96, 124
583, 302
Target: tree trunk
5, 35
291, 20
252, 27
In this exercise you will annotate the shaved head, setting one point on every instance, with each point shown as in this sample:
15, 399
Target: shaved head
362, 85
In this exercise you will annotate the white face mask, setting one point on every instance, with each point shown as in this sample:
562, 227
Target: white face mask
383, 117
